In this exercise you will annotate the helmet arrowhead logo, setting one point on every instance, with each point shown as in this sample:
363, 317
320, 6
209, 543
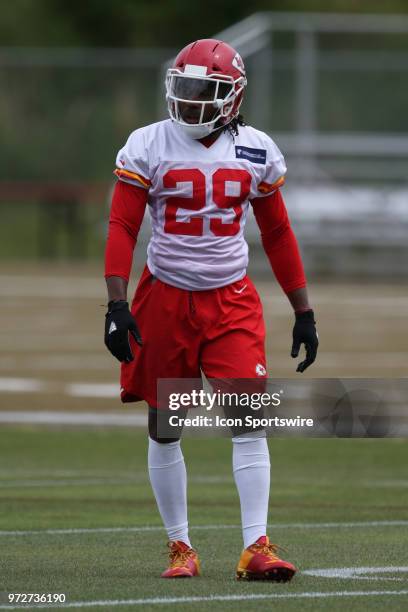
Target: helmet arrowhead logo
238, 63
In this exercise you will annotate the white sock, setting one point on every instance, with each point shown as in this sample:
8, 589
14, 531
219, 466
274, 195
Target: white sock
168, 478
251, 466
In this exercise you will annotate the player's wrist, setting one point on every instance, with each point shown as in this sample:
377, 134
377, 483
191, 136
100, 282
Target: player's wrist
303, 309
117, 304
305, 315
116, 289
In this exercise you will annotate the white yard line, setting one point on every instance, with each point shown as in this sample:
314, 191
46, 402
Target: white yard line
16, 484
359, 524
213, 598
22, 385
56, 473
382, 359
103, 481
31, 480
36, 385
92, 389
52, 287
55, 362
386, 484
136, 419
358, 573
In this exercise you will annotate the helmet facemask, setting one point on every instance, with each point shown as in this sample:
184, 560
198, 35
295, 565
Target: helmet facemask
200, 103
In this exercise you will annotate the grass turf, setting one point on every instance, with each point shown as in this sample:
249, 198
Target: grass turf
65, 479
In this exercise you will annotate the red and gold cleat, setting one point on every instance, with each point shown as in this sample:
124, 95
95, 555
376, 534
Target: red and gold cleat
261, 562
184, 562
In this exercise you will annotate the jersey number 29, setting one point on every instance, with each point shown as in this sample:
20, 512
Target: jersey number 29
194, 227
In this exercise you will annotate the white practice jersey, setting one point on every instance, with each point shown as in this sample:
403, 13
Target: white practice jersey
198, 199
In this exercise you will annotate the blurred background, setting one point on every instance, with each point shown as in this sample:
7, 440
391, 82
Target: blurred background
326, 79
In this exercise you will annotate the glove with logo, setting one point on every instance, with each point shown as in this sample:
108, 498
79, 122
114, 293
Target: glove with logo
304, 332
118, 324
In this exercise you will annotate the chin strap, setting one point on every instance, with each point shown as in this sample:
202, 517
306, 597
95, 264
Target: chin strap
201, 131
196, 131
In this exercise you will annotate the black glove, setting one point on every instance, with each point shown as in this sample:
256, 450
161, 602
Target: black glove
304, 332
119, 322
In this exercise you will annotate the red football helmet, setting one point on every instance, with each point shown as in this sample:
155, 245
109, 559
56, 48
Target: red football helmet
204, 88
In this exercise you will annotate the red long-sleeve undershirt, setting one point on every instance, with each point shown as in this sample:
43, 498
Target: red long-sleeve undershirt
126, 216
279, 242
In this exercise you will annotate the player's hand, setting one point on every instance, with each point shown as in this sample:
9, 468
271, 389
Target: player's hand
118, 324
304, 332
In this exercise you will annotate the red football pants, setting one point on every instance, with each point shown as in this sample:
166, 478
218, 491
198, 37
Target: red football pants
220, 331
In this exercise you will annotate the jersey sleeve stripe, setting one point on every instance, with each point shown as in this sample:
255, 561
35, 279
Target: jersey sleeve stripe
126, 174
268, 187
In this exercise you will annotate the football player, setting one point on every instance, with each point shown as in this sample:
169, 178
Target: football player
195, 308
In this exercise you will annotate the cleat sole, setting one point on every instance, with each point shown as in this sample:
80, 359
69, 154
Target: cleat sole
172, 576
276, 575
177, 577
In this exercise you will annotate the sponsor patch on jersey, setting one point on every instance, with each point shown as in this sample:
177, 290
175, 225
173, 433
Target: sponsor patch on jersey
257, 156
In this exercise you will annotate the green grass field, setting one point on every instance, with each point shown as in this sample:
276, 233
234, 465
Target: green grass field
326, 494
